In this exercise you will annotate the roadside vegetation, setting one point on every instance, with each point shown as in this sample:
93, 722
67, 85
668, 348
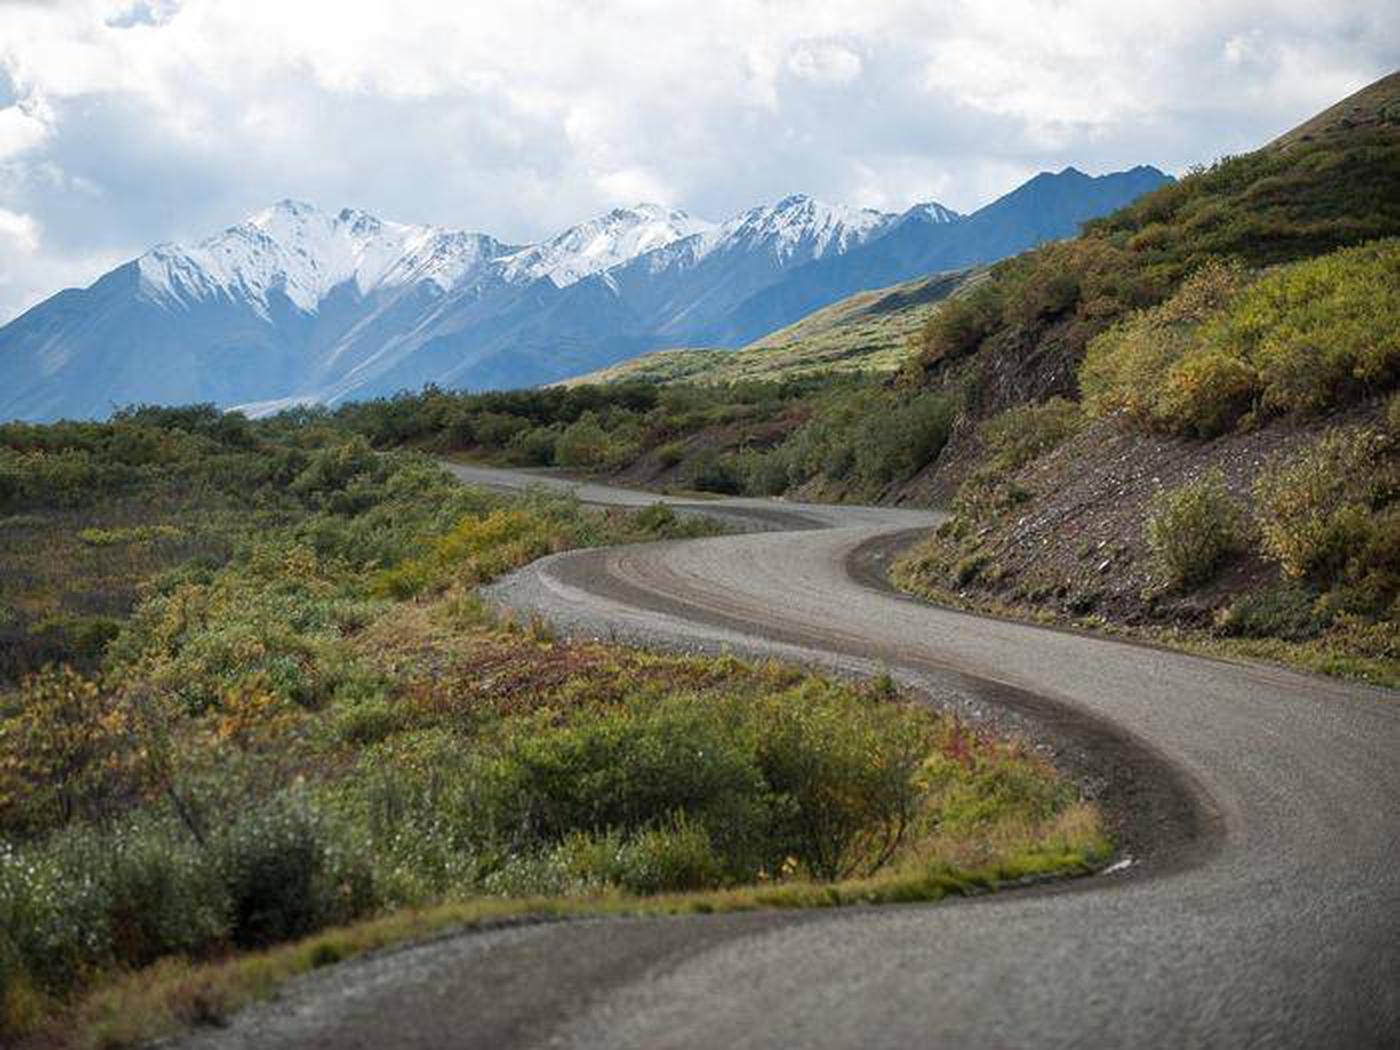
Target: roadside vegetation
297, 733
832, 437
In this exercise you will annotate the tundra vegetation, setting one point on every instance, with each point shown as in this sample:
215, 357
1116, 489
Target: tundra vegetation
255, 718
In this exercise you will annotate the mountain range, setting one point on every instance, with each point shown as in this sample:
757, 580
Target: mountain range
298, 305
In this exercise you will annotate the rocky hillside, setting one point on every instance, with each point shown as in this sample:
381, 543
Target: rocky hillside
1183, 421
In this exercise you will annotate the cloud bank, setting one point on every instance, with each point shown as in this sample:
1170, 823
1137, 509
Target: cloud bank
123, 124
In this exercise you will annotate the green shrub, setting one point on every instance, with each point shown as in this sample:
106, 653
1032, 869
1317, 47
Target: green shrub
674, 856
1132, 367
332, 469
625, 769
1315, 509
477, 550
897, 443
91, 899
1025, 433
1284, 611
584, 444
967, 787
70, 751
658, 518
959, 325
1192, 529
841, 768
286, 874
537, 447
1011, 440
1303, 338
1321, 332
670, 454
715, 473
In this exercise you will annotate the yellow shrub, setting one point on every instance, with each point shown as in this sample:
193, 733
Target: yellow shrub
1314, 510
1206, 393
477, 550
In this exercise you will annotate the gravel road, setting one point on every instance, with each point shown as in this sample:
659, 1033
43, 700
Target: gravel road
1260, 812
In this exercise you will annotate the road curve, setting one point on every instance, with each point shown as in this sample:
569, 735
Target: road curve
1263, 819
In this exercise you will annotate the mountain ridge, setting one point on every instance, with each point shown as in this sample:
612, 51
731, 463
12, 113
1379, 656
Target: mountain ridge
296, 304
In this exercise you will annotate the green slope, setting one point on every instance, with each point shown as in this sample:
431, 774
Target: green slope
866, 332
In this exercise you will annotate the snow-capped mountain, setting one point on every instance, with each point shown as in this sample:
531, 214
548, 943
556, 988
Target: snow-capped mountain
294, 249
296, 304
602, 243
800, 226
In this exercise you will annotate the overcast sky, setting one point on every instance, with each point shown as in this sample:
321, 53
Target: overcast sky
123, 124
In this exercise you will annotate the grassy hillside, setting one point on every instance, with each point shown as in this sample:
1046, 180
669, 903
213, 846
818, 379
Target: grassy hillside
867, 332
1182, 422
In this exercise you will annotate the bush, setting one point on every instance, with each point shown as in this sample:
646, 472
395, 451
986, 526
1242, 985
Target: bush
71, 750
959, 325
841, 768
477, 550
285, 873
1192, 529
897, 443
534, 448
332, 469
1314, 509
92, 899
713, 473
583, 444
623, 770
1286, 611
970, 783
674, 856
658, 519
1320, 332
1025, 433
1010, 441
1327, 516
1132, 368
670, 454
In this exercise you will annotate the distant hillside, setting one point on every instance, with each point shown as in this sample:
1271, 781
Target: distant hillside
866, 332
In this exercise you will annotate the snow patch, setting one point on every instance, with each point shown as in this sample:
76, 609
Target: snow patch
602, 243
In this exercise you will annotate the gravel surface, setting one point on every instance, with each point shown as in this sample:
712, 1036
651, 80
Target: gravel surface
1260, 811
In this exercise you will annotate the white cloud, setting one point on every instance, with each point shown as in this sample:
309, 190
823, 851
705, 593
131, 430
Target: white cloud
18, 233
123, 123
824, 63
21, 130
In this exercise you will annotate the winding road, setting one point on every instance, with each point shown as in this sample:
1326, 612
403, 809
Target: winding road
1260, 809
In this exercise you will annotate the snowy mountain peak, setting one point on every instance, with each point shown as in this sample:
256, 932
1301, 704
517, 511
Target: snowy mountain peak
802, 224
295, 249
602, 243
932, 211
